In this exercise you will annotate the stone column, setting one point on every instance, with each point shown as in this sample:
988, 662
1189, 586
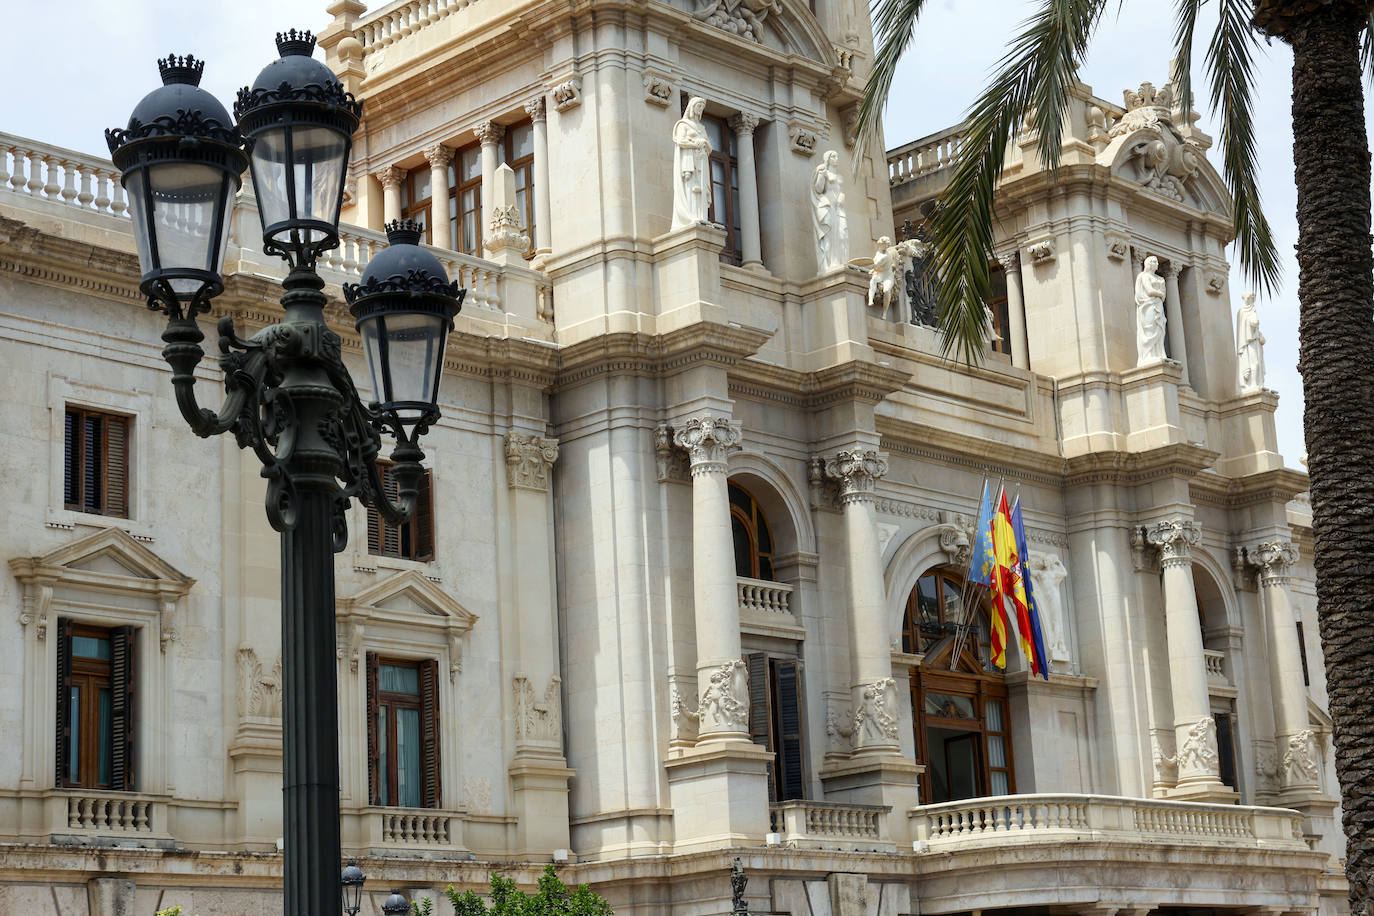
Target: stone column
489, 134
439, 157
1016, 309
872, 689
543, 218
1295, 742
750, 246
391, 179
722, 679
1173, 318
1195, 732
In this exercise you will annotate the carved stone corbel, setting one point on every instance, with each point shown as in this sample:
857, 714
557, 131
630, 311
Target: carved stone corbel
528, 460
567, 94
658, 90
538, 721
672, 463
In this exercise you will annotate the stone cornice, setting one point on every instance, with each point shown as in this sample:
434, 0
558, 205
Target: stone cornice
909, 438
1130, 468
1279, 485
652, 355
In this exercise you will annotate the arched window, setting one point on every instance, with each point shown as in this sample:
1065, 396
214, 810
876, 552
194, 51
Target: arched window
963, 730
753, 540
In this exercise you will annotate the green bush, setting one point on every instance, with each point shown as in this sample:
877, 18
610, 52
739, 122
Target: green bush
551, 899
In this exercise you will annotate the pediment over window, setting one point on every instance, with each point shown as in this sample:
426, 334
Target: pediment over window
409, 594
787, 26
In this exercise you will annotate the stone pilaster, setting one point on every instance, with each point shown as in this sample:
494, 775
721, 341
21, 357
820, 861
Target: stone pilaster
439, 157
750, 244
1173, 318
543, 218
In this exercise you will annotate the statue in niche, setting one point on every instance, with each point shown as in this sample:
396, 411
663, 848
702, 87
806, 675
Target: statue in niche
1047, 578
882, 275
691, 167
1249, 347
1149, 303
827, 214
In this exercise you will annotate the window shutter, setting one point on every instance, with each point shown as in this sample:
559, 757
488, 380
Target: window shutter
424, 519
374, 531
789, 742
64, 690
391, 534
429, 730
759, 715
92, 463
117, 466
374, 748
122, 709
71, 483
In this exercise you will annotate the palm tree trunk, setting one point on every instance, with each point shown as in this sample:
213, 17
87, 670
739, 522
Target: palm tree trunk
1336, 300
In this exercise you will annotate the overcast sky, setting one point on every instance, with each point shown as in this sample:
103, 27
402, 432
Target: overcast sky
105, 61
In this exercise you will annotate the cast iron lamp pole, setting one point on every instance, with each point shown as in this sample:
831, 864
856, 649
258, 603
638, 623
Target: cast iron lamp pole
289, 396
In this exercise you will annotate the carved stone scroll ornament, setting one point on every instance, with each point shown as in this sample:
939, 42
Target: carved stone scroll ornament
1041, 252
1174, 539
1300, 759
875, 722
528, 460
1199, 751
955, 542
708, 441
657, 90
567, 94
1163, 161
672, 462
738, 17
37, 606
857, 471
538, 720
803, 139
1275, 560
536, 109
724, 703
259, 694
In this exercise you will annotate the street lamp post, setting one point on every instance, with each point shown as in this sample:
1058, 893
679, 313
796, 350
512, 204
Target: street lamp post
289, 396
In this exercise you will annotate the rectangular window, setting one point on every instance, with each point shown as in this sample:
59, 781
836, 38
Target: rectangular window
520, 157
724, 207
418, 202
775, 721
998, 303
95, 708
413, 540
96, 462
467, 197
1226, 749
403, 732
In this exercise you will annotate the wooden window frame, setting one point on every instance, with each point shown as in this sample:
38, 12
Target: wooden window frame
732, 253
115, 675
775, 725
114, 431
457, 187
754, 520
420, 210
413, 540
523, 166
426, 702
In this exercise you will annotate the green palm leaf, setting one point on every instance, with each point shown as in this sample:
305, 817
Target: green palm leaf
894, 24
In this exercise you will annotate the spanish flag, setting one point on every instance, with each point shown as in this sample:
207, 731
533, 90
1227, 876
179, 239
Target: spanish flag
1008, 589
1040, 661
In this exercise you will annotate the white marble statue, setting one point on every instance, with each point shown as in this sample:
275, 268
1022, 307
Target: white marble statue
1249, 347
1149, 303
1047, 580
827, 214
990, 335
882, 276
691, 167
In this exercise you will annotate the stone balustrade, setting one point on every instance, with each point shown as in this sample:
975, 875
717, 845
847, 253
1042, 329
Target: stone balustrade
405, 827
925, 156
759, 596
394, 22
110, 813
997, 820
60, 175
388, 828
829, 825
1216, 665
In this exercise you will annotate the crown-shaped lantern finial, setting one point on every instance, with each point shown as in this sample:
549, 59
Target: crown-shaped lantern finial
295, 42
181, 69
404, 232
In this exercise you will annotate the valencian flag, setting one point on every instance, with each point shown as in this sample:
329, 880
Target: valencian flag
1008, 588
1039, 662
980, 566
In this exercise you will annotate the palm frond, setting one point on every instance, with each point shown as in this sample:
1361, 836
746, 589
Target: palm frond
1035, 76
1229, 62
894, 25
1367, 49
1185, 29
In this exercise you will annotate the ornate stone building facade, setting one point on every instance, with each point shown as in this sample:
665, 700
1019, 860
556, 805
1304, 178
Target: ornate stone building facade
691, 582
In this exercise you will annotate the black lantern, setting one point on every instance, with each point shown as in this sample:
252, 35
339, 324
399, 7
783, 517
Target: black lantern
301, 122
395, 905
352, 881
181, 158
404, 309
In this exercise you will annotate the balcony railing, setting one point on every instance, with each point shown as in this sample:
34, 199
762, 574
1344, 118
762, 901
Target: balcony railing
411, 828
993, 821
829, 825
111, 813
1216, 665
925, 156
393, 22
759, 596
60, 175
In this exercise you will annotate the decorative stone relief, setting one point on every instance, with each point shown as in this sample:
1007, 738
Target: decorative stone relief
684, 720
528, 459
956, 541
538, 720
1266, 766
1249, 347
350, 637
489, 133
738, 17
708, 440
1275, 560
1118, 249
259, 694
825, 493
536, 109
1041, 252
503, 232
828, 217
724, 703
455, 655
1165, 764
839, 727
567, 94
1300, 759
803, 139
1162, 160
849, 118
658, 90
856, 470
391, 178
1216, 284
37, 606
875, 722
673, 465
1199, 752
1174, 539
1141, 559
1048, 573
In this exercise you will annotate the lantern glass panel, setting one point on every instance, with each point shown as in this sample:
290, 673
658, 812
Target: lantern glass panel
403, 352
188, 227
299, 173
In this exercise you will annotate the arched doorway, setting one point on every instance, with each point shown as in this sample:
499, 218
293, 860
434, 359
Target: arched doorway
959, 703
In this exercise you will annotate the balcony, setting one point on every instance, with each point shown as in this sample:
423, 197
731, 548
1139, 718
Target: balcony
411, 831
827, 825
1216, 666
761, 597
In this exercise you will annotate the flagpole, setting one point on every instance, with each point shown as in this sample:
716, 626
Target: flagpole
970, 589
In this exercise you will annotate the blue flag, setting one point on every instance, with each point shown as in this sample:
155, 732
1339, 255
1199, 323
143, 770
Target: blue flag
1037, 632
984, 559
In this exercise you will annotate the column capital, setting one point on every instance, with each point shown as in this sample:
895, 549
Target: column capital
528, 459
1010, 259
857, 470
489, 133
743, 123
709, 440
1175, 539
1168, 269
536, 109
1275, 560
439, 156
391, 177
